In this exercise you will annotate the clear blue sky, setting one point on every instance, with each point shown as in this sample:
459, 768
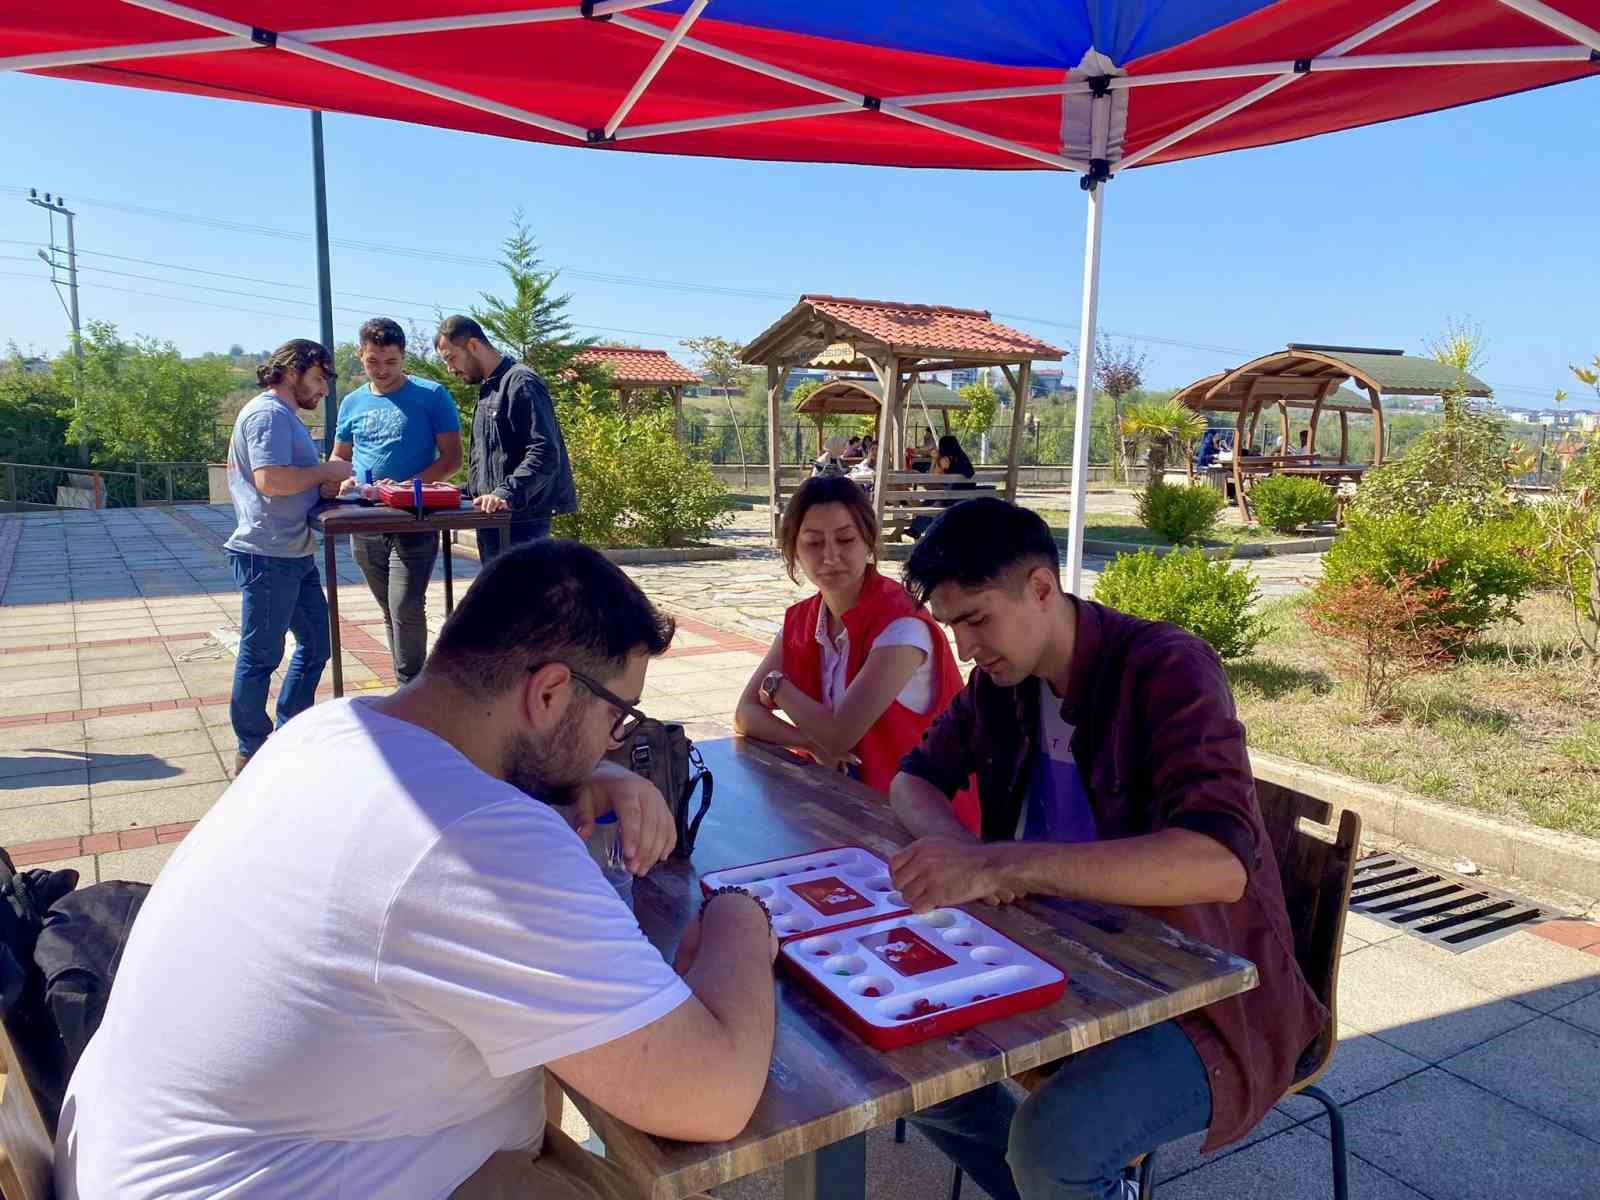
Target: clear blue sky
1373, 237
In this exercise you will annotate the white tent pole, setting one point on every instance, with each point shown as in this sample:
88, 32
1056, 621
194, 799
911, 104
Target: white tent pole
1080, 424
663, 52
1559, 21
55, 59
524, 16
828, 108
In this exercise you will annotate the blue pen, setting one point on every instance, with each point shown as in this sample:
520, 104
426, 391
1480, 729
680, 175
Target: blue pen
416, 492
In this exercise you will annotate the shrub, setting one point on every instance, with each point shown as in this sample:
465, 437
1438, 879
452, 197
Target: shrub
1285, 503
1479, 576
1384, 631
637, 486
1463, 463
1212, 600
1181, 514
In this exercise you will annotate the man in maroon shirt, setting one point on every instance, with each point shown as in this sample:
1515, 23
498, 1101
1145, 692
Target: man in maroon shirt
1111, 767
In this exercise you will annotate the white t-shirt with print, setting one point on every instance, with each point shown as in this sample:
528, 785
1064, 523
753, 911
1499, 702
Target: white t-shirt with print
347, 977
919, 692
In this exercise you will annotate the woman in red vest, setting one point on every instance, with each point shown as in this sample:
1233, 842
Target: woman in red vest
859, 670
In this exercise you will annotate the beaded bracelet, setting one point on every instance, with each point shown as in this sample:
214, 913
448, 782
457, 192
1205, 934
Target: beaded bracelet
739, 891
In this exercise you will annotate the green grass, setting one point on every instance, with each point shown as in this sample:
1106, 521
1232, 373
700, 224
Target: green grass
1506, 732
1122, 527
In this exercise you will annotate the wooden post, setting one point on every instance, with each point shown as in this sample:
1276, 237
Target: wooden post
1238, 469
886, 413
1377, 426
776, 377
1344, 437
1019, 406
1283, 413
677, 412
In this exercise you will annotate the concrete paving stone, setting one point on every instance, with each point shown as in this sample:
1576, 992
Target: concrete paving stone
17, 678
99, 671
98, 696
1450, 1138
63, 679
41, 822
1294, 1165
55, 735
133, 677
166, 720
1361, 1064
177, 743
13, 641
1412, 1004
48, 702
143, 773
137, 866
1585, 1013
1182, 1156
28, 658
147, 809
1548, 1066
85, 866
20, 764
1523, 967
215, 714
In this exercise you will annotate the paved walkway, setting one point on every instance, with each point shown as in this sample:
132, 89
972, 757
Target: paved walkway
1473, 1076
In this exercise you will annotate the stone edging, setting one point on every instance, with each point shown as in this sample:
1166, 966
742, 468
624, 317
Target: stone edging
1543, 857
1316, 545
638, 557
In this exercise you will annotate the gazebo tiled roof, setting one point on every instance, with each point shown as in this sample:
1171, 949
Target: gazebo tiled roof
916, 329
632, 366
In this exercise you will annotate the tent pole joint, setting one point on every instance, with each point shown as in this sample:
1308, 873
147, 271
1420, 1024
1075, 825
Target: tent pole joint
1099, 85
1099, 171
586, 10
598, 137
1302, 66
263, 37
872, 103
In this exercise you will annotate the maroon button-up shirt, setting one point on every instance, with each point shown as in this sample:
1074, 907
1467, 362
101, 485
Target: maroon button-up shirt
1159, 746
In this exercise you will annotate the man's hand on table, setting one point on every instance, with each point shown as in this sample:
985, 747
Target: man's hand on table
331, 491
935, 872
644, 822
490, 503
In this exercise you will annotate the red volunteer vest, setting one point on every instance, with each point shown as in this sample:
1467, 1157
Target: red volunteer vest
899, 729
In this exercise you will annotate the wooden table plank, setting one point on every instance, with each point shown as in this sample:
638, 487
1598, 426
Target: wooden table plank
1125, 970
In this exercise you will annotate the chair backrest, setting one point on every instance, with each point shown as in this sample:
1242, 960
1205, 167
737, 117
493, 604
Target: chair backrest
27, 1152
1317, 867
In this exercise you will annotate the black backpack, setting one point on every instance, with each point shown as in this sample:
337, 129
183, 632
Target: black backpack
59, 950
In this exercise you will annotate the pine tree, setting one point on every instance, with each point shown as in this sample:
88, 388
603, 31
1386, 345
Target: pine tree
532, 324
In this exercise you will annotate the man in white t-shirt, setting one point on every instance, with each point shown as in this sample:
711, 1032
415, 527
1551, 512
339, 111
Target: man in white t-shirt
350, 976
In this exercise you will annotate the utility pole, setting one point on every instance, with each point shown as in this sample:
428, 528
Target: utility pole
319, 183
53, 205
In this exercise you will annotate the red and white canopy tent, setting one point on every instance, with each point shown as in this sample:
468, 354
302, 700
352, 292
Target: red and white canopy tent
1088, 86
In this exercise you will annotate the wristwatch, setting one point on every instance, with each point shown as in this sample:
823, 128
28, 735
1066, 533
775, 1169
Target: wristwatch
769, 688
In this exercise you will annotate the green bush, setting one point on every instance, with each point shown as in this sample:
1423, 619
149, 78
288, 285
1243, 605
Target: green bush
1212, 600
1482, 574
637, 486
1285, 503
1462, 463
1180, 513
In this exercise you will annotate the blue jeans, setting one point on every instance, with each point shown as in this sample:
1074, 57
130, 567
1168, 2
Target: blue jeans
280, 594
1071, 1139
492, 542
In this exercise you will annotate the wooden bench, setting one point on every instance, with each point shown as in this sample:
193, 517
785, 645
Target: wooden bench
908, 495
27, 1151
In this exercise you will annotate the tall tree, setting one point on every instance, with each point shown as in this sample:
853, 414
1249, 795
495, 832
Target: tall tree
532, 324
142, 401
720, 364
1118, 370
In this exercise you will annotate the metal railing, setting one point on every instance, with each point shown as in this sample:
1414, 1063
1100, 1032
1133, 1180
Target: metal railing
39, 486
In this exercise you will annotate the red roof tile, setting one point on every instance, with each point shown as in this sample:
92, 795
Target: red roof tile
932, 327
630, 365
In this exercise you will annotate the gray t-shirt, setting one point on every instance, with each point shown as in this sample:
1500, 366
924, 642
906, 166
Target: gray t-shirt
269, 434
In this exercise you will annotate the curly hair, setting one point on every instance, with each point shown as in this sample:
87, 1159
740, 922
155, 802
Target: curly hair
301, 355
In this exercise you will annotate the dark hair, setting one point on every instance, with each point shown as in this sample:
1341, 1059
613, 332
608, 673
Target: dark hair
855, 439
458, 329
301, 355
978, 544
950, 447
824, 489
551, 601
381, 331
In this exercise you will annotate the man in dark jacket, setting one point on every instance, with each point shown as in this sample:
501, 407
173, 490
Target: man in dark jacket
519, 459
1110, 767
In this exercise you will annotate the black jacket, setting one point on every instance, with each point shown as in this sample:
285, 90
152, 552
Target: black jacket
517, 449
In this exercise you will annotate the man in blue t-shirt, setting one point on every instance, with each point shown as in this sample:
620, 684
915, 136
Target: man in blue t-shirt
275, 478
397, 428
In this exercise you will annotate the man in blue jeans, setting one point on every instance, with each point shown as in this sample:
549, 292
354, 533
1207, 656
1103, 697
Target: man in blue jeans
1111, 768
275, 477
397, 428
519, 458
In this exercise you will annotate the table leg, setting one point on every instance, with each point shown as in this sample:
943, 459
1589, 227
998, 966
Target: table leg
449, 572
836, 1172
330, 548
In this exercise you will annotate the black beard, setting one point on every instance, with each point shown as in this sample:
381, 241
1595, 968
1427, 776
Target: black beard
549, 771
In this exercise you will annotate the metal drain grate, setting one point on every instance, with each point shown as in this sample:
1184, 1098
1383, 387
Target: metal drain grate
1447, 910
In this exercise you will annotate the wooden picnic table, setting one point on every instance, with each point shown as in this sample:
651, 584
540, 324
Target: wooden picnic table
336, 518
826, 1088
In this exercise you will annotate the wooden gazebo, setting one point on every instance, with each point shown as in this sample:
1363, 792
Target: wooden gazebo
897, 344
1310, 376
636, 370
863, 397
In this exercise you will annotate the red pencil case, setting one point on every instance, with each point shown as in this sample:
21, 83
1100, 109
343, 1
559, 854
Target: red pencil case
434, 495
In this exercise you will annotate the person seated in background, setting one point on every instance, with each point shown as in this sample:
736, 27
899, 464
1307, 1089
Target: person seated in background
952, 462
831, 460
1111, 767
921, 458
859, 670
352, 974
852, 452
1305, 443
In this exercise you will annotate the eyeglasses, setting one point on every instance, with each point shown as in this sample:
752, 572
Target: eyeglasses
628, 719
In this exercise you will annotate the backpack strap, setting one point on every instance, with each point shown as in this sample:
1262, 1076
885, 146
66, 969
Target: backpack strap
699, 777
